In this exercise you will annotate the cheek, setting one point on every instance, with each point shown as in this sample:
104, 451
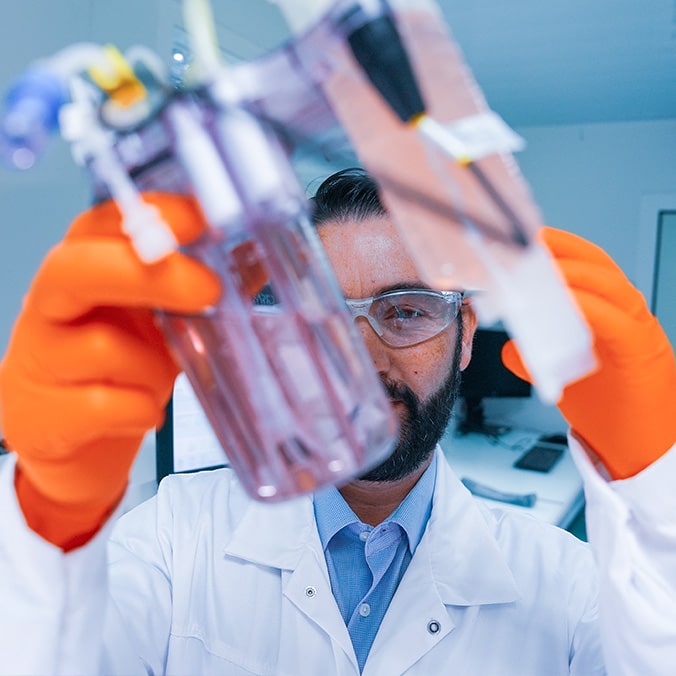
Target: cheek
427, 365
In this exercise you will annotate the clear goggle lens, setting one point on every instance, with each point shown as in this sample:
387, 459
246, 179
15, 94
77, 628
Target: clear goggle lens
407, 317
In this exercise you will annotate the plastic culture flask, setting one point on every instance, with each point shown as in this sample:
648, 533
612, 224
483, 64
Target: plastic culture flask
278, 364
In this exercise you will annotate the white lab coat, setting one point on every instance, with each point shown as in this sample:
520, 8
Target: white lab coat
204, 580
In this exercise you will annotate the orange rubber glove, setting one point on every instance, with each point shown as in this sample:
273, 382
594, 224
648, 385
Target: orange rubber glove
625, 412
87, 373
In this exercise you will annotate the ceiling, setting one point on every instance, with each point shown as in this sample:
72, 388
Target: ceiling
539, 62
549, 62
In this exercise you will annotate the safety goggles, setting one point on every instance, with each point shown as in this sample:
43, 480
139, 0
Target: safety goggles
406, 317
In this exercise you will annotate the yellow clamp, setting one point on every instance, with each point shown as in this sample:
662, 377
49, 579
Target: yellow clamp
117, 78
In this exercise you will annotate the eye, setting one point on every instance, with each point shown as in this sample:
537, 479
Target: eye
404, 311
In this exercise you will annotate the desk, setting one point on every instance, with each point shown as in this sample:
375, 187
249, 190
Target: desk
489, 461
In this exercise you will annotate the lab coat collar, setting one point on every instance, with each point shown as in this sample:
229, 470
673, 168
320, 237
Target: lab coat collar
466, 562
275, 534
285, 536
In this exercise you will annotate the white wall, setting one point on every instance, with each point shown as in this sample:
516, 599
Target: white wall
592, 179
35, 211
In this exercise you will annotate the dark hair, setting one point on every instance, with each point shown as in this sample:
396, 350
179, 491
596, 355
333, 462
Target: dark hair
347, 194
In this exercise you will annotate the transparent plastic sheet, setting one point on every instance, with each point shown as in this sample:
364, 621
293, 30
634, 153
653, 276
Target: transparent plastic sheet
468, 225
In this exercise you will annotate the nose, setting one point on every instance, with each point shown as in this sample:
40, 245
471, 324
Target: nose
376, 348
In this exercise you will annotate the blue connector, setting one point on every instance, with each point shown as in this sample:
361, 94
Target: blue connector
31, 114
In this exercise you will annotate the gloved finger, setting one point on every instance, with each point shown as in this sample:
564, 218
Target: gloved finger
563, 244
80, 275
587, 266
181, 213
612, 330
621, 339
609, 284
139, 321
98, 349
102, 476
55, 421
511, 358
617, 335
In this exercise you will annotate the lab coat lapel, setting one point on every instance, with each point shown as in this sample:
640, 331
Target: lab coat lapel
274, 535
457, 564
284, 536
468, 566
415, 622
309, 589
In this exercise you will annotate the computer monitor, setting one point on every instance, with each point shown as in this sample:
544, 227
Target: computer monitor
486, 376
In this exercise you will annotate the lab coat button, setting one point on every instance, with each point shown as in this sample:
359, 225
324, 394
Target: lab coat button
310, 592
433, 627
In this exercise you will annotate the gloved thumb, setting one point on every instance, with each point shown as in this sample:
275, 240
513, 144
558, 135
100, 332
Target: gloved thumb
511, 358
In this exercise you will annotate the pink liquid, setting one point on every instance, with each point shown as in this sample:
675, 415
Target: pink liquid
288, 388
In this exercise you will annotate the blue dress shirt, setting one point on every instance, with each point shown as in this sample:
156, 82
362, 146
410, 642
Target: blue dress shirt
366, 563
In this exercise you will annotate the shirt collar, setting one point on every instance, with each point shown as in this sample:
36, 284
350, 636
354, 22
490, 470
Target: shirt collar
463, 543
333, 513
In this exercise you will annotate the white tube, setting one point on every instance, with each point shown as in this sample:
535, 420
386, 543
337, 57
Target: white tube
210, 180
199, 25
151, 237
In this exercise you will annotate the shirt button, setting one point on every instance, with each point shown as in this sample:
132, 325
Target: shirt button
364, 535
364, 609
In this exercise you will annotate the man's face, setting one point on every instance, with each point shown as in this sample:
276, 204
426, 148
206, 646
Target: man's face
368, 257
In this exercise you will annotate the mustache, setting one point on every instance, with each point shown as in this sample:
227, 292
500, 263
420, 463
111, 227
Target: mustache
403, 393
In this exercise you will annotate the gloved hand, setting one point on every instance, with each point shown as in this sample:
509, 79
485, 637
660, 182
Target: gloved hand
625, 411
87, 373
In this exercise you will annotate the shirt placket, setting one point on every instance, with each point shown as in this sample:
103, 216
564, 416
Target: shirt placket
381, 548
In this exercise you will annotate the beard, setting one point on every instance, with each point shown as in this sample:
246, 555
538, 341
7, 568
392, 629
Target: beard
422, 426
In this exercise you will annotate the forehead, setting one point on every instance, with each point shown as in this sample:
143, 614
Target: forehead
367, 256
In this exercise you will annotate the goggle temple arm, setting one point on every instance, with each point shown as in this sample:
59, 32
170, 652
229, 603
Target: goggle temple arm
360, 308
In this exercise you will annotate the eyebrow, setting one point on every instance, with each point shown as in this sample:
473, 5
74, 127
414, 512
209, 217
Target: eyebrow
403, 286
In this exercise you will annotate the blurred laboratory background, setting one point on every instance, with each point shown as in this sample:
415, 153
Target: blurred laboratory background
591, 86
